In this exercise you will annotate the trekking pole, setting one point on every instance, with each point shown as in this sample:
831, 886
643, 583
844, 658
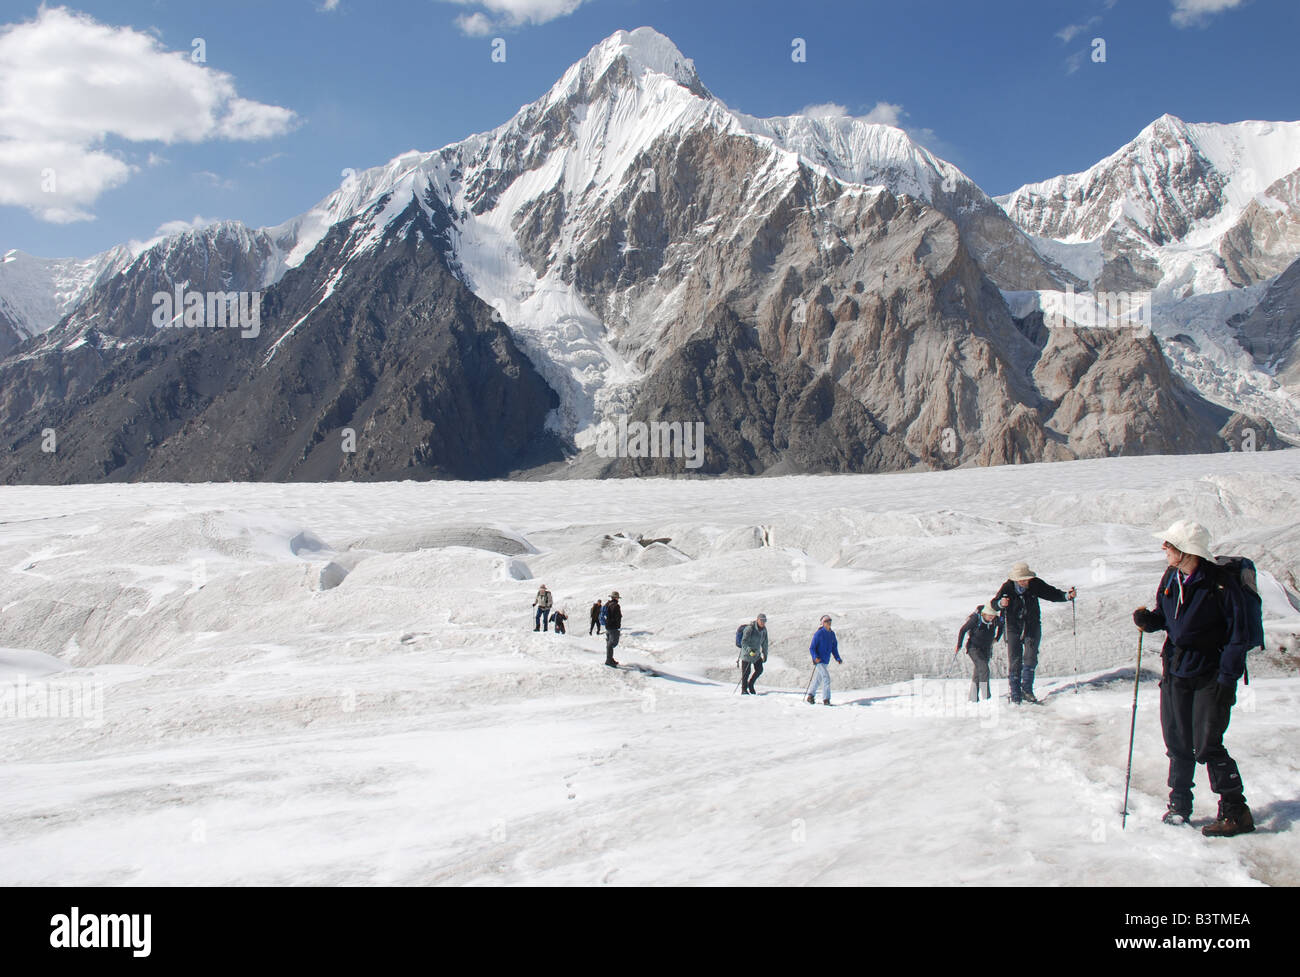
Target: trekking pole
1131, 730
742, 678
1075, 631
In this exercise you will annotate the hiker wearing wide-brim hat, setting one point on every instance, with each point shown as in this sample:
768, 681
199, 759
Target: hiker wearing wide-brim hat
980, 631
1202, 610
543, 602
1018, 600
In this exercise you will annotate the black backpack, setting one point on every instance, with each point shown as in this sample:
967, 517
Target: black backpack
1243, 570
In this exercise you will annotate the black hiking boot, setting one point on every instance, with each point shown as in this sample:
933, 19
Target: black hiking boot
811, 700
826, 702
1234, 819
1028, 696
611, 663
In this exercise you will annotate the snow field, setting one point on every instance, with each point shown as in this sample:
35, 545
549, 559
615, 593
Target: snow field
340, 684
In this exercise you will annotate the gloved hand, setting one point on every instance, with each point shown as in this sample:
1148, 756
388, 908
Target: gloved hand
1146, 620
1225, 695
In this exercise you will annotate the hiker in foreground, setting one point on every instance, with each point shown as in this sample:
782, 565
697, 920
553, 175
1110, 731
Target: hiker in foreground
611, 616
1019, 598
543, 603
1202, 608
980, 631
595, 618
753, 653
823, 648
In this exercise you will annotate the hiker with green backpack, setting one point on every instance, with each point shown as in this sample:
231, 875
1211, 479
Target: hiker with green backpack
751, 639
1211, 614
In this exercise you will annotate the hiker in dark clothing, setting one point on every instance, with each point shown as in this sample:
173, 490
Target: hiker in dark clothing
753, 653
980, 631
1019, 598
1202, 610
612, 617
595, 618
558, 619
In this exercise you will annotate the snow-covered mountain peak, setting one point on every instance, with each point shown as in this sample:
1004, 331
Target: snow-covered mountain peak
643, 49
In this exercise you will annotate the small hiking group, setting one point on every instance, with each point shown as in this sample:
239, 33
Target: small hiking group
751, 639
1211, 613
607, 615
1013, 613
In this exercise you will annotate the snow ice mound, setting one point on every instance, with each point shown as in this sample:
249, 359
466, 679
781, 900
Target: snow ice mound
490, 538
658, 555
27, 662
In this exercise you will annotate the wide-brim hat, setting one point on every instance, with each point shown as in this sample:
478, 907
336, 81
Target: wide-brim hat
1187, 537
614, 595
989, 609
1021, 571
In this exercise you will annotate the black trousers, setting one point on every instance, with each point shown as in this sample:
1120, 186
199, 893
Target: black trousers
746, 681
595, 626
1194, 722
611, 642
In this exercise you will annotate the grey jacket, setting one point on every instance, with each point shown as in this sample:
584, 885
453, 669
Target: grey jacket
753, 643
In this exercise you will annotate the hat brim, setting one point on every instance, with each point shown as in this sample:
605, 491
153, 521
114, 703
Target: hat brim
1164, 538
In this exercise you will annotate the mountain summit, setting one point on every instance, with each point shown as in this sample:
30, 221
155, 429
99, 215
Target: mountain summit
819, 294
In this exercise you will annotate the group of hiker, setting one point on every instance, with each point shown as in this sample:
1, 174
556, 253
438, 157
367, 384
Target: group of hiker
1210, 613
607, 615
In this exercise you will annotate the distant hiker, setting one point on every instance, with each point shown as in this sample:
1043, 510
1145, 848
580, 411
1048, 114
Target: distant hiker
558, 619
1202, 608
980, 631
1019, 598
753, 653
612, 617
823, 648
595, 619
543, 605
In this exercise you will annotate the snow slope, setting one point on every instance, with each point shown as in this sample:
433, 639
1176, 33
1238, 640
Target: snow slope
337, 683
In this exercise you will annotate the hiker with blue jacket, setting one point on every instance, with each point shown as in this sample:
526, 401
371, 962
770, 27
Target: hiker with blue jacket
824, 647
1019, 598
753, 653
980, 631
1202, 609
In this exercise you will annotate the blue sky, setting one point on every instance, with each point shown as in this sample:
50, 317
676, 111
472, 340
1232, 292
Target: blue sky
291, 92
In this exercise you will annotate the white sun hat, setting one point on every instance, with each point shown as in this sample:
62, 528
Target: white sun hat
1021, 571
1187, 537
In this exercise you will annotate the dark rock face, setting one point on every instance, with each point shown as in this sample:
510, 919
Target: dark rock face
757, 416
400, 354
1271, 331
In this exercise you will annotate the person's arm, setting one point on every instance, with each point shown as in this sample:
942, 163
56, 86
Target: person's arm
1045, 591
835, 648
961, 635
764, 640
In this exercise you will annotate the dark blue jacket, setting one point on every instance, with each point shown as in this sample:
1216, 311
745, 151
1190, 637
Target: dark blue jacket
982, 633
1204, 623
824, 646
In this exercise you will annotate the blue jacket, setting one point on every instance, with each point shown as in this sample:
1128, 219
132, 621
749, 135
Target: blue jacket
824, 646
1204, 621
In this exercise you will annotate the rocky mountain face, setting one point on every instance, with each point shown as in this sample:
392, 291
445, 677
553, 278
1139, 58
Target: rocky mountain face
816, 294
399, 372
1271, 331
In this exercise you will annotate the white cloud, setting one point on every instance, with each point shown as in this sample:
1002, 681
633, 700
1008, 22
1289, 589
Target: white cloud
1071, 31
475, 25
1197, 13
169, 228
496, 15
825, 110
328, 6
68, 83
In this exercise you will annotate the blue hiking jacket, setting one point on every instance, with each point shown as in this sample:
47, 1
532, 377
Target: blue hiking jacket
824, 647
